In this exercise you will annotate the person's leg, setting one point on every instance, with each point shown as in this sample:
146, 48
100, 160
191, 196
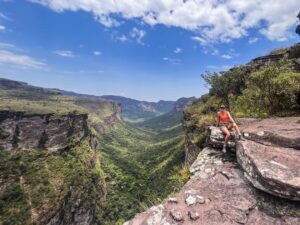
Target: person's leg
227, 134
227, 137
237, 132
236, 128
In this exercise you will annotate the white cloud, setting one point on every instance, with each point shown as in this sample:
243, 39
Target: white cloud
2, 27
200, 40
252, 40
226, 56
20, 60
4, 45
97, 53
213, 21
137, 34
9, 46
122, 38
177, 50
173, 61
64, 53
107, 21
3, 16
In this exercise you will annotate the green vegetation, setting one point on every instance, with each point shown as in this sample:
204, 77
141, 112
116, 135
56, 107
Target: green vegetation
142, 168
269, 92
34, 183
18, 96
168, 121
143, 162
273, 90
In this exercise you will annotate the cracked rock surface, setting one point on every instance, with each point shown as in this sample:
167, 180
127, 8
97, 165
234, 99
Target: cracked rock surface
275, 170
232, 200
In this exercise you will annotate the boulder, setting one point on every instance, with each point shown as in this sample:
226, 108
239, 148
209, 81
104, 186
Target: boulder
216, 138
275, 170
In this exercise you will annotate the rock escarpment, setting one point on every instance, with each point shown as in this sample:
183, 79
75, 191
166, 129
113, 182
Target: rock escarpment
242, 189
47, 131
56, 179
194, 136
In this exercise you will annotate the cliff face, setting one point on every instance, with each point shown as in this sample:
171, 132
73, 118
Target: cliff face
110, 121
21, 131
195, 137
56, 179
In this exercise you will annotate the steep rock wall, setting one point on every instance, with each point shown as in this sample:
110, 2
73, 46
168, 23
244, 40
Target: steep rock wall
48, 131
194, 137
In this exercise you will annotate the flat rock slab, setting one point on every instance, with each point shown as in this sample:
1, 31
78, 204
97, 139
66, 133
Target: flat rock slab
282, 131
229, 198
275, 170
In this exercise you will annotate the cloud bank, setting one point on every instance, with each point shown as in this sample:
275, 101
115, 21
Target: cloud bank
212, 20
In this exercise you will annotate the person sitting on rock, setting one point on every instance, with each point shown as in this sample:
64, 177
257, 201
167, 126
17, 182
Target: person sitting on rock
226, 123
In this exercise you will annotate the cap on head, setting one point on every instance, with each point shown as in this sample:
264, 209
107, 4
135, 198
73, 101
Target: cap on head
222, 107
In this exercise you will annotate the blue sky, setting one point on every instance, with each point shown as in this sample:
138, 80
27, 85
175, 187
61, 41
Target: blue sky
147, 50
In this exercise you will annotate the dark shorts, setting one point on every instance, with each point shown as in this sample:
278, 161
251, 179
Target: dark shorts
228, 126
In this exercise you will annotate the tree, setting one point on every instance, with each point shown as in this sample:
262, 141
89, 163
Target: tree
224, 84
272, 91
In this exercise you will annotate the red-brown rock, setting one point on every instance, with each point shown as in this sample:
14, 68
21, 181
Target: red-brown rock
275, 170
232, 200
283, 131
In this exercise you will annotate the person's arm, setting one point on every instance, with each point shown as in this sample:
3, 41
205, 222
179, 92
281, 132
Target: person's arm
218, 119
230, 117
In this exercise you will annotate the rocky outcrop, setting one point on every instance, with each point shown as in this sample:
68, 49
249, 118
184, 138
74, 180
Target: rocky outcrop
271, 157
48, 131
216, 138
270, 161
283, 131
217, 193
275, 170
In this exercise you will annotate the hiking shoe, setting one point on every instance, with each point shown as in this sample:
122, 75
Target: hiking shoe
224, 149
241, 138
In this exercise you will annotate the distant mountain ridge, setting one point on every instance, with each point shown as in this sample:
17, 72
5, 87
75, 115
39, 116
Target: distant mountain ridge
169, 120
134, 110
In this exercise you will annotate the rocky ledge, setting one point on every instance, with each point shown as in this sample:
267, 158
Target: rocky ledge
275, 170
48, 131
270, 157
241, 188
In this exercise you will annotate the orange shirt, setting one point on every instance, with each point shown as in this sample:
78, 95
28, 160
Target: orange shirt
223, 117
